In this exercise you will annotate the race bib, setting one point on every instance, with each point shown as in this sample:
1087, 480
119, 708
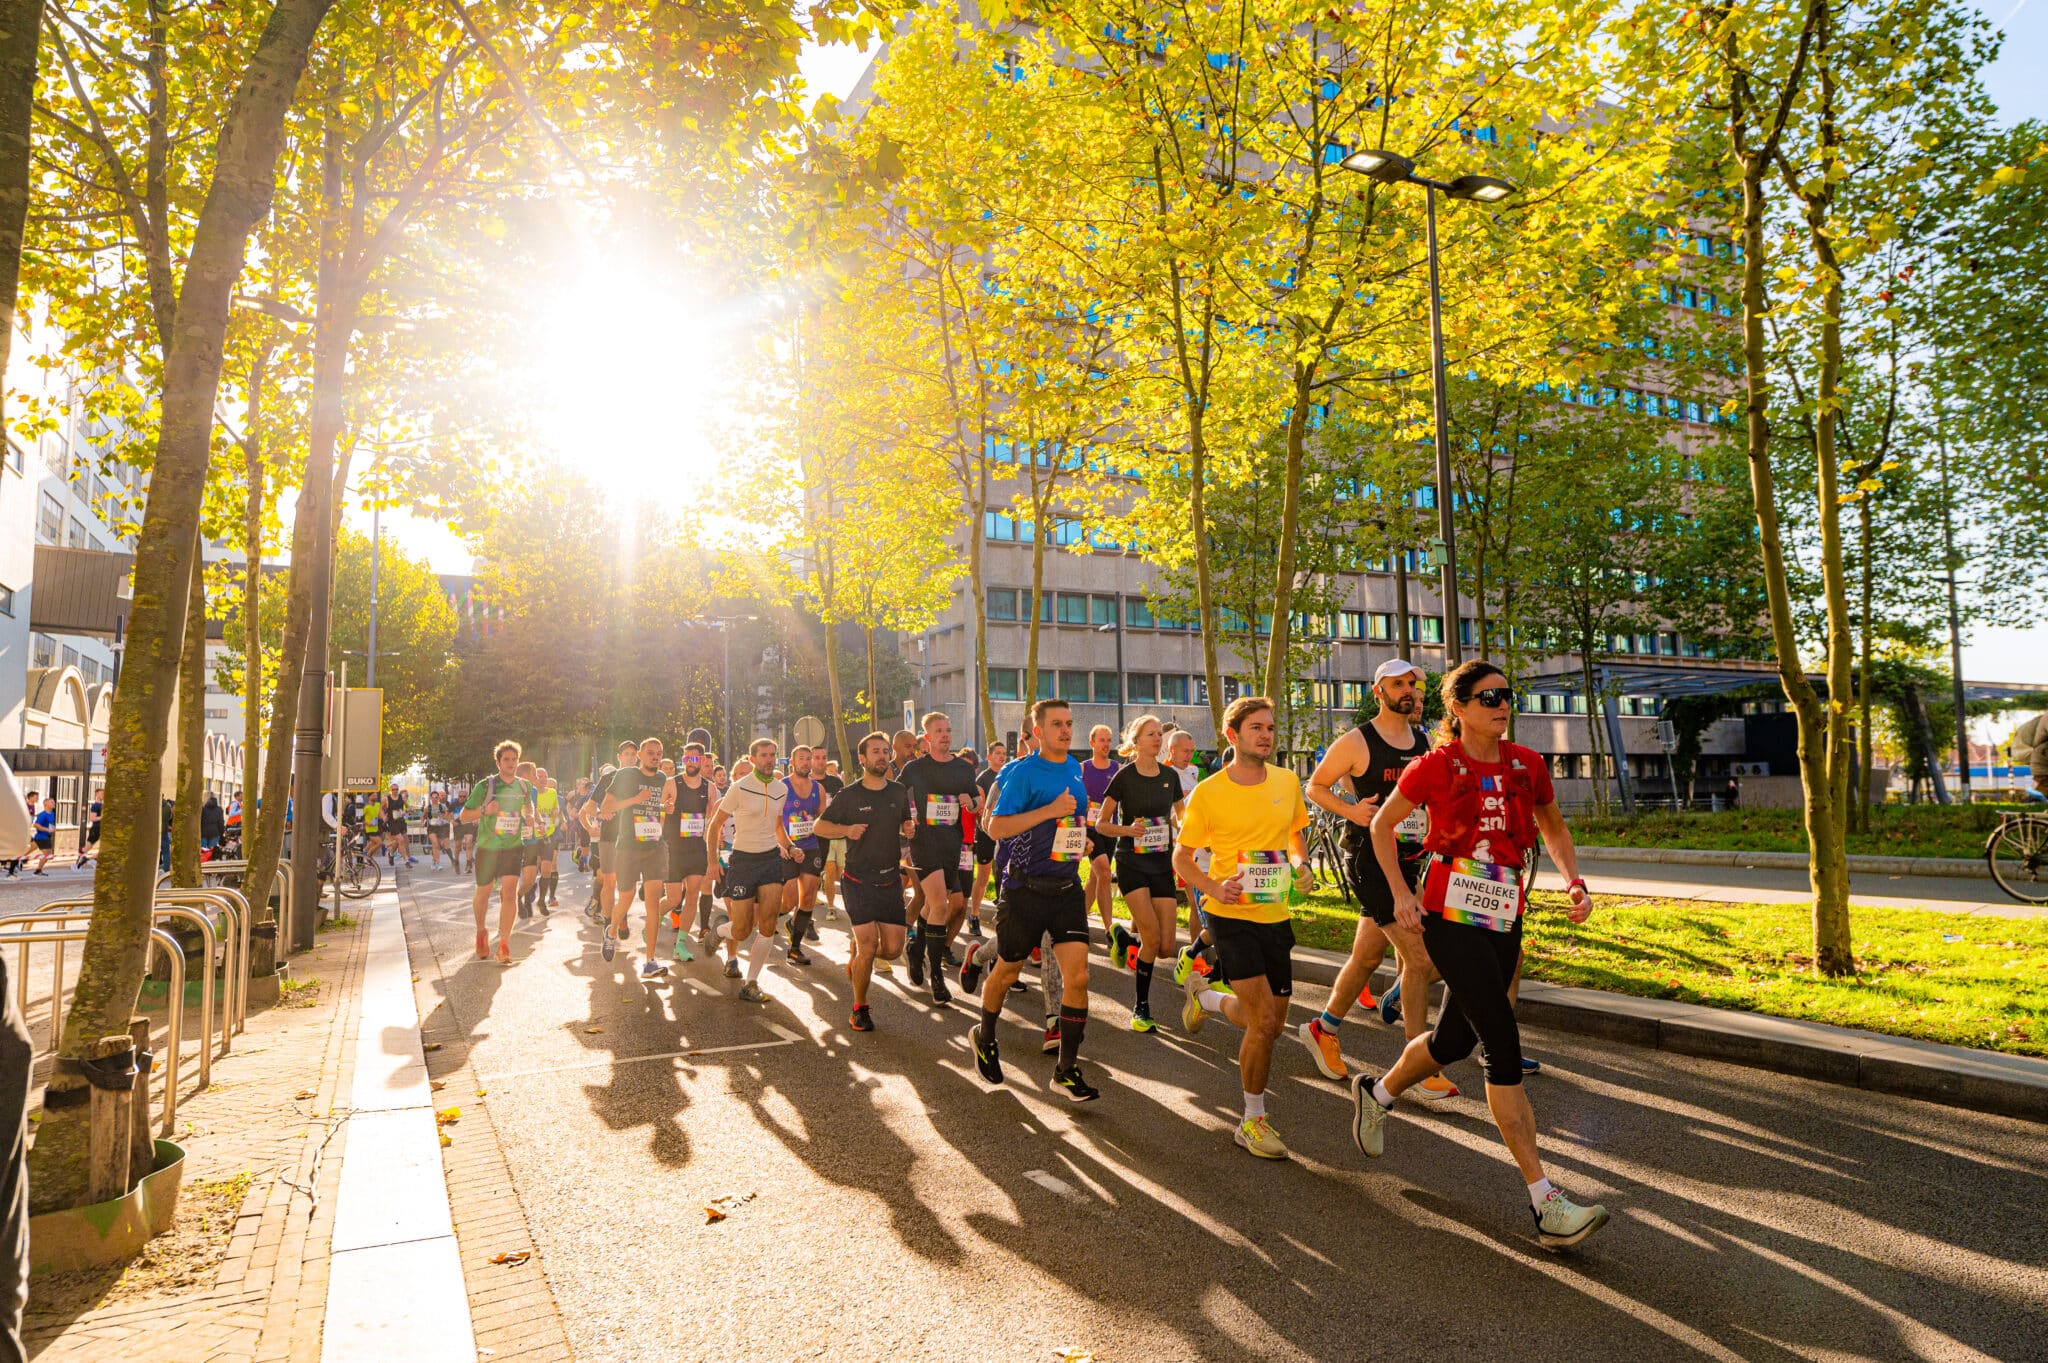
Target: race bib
1414, 827
1265, 877
690, 825
966, 856
1475, 892
646, 829
1069, 840
942, 809
1154, 835
507, 825
799, 826
1094, 812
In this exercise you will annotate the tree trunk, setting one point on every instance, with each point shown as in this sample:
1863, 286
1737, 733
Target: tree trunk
191, 741
117, 945
252, 615
977, 506
1279, 687
1595, 746
832, 684
1031, 692
21, 31
1867, 793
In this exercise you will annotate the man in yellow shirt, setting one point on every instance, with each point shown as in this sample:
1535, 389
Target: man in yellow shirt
1249, 818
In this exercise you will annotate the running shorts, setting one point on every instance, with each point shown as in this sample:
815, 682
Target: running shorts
1153, 874
1035, 907
957, 880
687, 857
749, 871
872, 902
1246, 950
811, 864
535, 852
632, 862
1369, 882
984, 848
1099, 846
835, 853
495, 863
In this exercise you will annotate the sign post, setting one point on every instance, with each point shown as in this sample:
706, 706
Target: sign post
340, 779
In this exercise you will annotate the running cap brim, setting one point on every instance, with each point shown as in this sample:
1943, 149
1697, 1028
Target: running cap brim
1394, 667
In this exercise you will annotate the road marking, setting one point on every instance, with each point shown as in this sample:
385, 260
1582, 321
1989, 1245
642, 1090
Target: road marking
785, 1038
1053, 1184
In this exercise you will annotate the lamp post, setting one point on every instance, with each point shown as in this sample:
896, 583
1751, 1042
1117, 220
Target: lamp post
1116, 627
1390, 169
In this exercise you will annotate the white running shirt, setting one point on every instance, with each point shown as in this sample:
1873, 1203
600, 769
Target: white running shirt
754, 809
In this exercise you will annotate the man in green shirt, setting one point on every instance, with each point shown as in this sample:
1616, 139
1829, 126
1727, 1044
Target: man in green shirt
498, 806
639, 796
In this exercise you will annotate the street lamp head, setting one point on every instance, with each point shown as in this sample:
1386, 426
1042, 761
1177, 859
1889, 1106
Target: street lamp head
1481, 188
1384, 166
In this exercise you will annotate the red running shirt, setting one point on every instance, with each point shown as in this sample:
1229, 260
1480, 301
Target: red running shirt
1484, 811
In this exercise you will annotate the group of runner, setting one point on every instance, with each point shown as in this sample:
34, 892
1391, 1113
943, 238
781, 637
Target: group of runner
1442, 844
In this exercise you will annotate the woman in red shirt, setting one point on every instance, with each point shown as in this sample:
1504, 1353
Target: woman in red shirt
1490, 805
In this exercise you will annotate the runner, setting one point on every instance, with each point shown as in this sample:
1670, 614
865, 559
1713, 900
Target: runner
638, 798
984, 845
578, 798
835, 848
497, 808
905, 750
89, 845
373, 827
437, 826
604, 831
941, 789
1039, 807
761, 853
1138, 811
43, 840
1489, 804
548, 807
871, 818
1372, 756
683, 828
395, 835
985, 955
462, 839
1097, 772
529, 840
1249, 817
800, 811
714, 884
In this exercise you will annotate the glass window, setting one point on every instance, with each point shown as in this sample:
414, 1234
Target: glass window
1692, 409
1003, 683
1141, 688
1102, 610
7, 601
1381, 624
1045, 608
1173, 689
1354, 695
14, 457
50, 520
1066, 532
997, 526
1002, 603
1073, 686
1351, 625
1106, 689
69, 656
1073, 609
1138, 613
78, 536
1431, 628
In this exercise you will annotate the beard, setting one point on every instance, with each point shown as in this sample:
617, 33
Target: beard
1405, 705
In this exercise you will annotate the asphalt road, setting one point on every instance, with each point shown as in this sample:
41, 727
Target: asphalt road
1772, 885
902, 1210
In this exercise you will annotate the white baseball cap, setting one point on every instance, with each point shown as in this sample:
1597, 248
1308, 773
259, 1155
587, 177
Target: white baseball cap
1395, 667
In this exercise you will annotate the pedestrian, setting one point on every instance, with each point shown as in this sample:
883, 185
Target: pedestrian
212, 824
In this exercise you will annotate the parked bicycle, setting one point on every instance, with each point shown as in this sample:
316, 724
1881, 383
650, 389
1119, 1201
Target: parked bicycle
360, 874
1325, 839
2017, 852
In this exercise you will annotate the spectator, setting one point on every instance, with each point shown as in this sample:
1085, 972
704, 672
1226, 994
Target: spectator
211, 823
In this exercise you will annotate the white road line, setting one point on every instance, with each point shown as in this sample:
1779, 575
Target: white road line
787, 1038
1054, 1185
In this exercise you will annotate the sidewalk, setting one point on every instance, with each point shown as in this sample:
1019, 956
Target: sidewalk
245, 1280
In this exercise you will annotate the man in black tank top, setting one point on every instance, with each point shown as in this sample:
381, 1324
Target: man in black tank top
1368, 760
683, 829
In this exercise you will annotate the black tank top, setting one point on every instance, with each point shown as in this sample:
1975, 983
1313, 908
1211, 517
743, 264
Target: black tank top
687, 802
1384, 764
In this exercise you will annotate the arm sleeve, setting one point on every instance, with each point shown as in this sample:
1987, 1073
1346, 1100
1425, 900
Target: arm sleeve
1010, 798
1194, 823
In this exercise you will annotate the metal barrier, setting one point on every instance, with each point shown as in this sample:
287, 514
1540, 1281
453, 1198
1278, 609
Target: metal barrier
236, 909
174, 1010
282, 880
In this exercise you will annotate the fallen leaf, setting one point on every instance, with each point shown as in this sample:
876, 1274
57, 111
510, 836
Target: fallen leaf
481, 1092
712, 1214
512, 1258
447, 1115
303, 1093
446, 1139
431, 1046
720, 1206
592, 1030
1073, 1355
437, 1084
415, 979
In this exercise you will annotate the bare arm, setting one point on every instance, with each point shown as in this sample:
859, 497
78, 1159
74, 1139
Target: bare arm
1222, 891
1385, 849
1557, 840
1340, 761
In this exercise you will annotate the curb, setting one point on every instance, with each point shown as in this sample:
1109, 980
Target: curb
1963, 867
1956, 1076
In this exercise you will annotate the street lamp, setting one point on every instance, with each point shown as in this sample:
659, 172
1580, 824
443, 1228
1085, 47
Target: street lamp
1390, 168
1116, 627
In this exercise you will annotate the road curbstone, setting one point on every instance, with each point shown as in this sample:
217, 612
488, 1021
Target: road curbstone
1966, 868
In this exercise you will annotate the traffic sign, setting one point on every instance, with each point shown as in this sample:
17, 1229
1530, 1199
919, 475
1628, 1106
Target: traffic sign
809, 731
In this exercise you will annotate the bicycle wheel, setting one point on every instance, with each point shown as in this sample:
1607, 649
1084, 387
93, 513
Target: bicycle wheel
360, 876
2018, 854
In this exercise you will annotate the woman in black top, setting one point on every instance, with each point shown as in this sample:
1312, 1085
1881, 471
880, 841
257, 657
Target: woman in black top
1138, 811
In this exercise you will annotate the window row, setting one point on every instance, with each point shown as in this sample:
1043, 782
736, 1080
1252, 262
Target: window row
1100, 688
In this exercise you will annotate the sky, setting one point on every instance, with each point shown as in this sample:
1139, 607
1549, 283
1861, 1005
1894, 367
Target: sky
2014, 81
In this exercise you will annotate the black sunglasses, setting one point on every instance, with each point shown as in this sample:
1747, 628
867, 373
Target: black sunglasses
1493, 697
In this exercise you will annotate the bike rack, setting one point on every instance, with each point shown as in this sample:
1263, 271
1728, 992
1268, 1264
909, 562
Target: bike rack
236, 909
174, 1010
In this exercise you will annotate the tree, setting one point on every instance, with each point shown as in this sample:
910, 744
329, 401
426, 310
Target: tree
415, 626
21, 23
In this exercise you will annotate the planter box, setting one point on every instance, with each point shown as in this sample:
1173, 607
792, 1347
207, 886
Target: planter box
109, 1232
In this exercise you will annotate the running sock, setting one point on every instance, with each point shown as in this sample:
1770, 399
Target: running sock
757, 955
910, 936
798, 926
988, 1026
1330, 1023
1254, 1106
1073, 1022
1380, 1094
934, 944
1539, 1190
1212, 999
1143, 972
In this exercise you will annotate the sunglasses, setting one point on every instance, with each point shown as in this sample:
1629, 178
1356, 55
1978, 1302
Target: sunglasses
1495, 697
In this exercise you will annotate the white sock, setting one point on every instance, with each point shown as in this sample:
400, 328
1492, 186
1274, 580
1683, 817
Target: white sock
1212, 999
1539, 1190
1380, 1094
1254, 1105
757, 956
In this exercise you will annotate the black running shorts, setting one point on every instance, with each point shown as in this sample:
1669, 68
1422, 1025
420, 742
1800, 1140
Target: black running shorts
1246, 950
1369, 882
687, 857
813, 863
872, 902
957, 880
1031, 912
1153, 874
749, 871
495, 863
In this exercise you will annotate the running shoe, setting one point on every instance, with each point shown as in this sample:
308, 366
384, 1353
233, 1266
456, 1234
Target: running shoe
974, 928
1366, 1000
525, 907
1562, 1222
732, 968
611, 944
796, 956
811, 932
1435, 1089
940, 994
483, 944
1257, 1135
1191, 1014
1141, 1021
1368, 1118
987, 1055
952, 957
970, 974
1532, 1067
862, 1020
1077, 1089
916, 964
884, 966
1323, 1047
1119, 943
1183, 966
1390, 1006
653, 970
681, 950
751, 993
1051, 1044
1038, 955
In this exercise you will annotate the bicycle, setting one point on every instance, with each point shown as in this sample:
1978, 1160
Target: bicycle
1325, 839
360, 874
2017, 853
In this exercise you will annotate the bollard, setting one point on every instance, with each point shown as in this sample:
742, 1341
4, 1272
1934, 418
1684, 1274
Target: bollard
141, 1148
111, 1130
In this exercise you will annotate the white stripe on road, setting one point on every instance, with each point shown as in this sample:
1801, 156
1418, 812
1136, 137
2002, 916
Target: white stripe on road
1054, 1185
787, 1039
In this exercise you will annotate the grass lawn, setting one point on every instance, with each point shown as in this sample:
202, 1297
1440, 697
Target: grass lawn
1895, 831
1987, 989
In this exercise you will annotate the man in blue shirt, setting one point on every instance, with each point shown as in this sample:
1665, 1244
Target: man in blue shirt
1040, 814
